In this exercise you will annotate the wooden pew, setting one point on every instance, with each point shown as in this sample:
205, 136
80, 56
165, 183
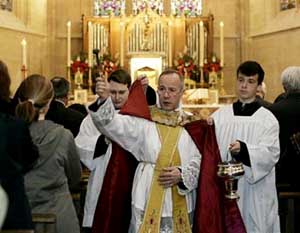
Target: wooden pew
17, 231
44, 223
287, 200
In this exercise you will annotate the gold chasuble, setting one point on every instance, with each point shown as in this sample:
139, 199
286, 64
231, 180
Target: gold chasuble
168, 156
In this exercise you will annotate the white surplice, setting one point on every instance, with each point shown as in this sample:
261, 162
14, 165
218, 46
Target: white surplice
258, 198
86, 143
141, 138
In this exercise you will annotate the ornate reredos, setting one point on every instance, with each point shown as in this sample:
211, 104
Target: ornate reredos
147, 32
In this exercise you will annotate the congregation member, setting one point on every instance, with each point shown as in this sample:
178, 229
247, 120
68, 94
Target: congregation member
164, 188
287, 113
17, 157
58, 167
58, 111
250, 134
3, 205
260, 95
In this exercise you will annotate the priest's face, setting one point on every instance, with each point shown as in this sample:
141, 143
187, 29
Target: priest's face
119, 93
170, 90
246, 87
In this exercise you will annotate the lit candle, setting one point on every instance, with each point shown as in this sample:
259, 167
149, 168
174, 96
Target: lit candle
69, 43
90, 44
170, 43
201, 57
122, 44
24, 53
221, 44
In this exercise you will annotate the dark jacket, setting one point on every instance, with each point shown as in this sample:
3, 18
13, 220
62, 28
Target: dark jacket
287, 112
69, 118
17, 156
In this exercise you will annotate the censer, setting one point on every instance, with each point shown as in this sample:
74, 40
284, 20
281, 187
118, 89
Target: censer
230, 171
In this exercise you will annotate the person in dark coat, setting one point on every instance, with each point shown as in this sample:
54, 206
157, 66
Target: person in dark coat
17, 156
58, 112
287, 113
58, 168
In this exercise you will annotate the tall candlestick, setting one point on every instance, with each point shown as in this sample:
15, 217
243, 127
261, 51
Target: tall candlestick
201, 57
170, 44
90, 44
221, 44
122, 44
68, 43
24, 53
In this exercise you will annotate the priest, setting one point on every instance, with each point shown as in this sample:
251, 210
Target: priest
165, 184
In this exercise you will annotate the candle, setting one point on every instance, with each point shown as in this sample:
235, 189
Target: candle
90, 44
201, 57
170, 43
24, 53
122, 44
68, 43
221, 44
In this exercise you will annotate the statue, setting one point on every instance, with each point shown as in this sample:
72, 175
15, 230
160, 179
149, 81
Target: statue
213, 78
78, 78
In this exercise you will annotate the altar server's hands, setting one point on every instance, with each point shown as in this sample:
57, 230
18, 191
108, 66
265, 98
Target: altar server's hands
169, 176
144, 80
235, 147
102, 87
210, 121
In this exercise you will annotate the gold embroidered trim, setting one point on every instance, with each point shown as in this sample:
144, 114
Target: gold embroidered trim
171, 118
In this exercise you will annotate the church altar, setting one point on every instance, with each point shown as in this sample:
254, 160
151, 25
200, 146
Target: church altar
147, 41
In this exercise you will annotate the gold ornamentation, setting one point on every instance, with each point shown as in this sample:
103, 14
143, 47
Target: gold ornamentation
171, 118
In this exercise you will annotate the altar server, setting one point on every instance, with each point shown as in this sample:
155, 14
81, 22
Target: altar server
250, 134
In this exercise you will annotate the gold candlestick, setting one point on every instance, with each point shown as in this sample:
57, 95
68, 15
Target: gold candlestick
90, 81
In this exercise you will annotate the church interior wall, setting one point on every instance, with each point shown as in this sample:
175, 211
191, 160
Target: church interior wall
227, 11
274, 40
28, 19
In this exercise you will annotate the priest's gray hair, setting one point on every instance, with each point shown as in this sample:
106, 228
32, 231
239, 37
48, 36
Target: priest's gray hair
290, 79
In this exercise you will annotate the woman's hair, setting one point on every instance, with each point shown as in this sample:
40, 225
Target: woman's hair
34, 93
4, 82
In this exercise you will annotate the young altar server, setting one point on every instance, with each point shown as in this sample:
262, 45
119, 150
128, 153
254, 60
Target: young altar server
93, 147
250, 133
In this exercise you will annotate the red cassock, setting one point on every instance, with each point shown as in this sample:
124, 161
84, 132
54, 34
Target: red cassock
213, 213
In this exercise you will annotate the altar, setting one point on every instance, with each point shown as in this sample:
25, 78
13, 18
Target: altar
145, 40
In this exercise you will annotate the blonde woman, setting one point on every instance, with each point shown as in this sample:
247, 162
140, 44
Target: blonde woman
58, 167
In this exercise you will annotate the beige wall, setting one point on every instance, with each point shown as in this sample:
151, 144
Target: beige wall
28, 20
273, 40
227, 11
43, 24
254, 29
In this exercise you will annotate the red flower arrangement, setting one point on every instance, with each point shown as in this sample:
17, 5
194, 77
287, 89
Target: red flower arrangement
107, 63
213, 65
185, 65
80, 64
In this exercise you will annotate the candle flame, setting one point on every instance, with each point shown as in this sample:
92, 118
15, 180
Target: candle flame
221, 24
69, 23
